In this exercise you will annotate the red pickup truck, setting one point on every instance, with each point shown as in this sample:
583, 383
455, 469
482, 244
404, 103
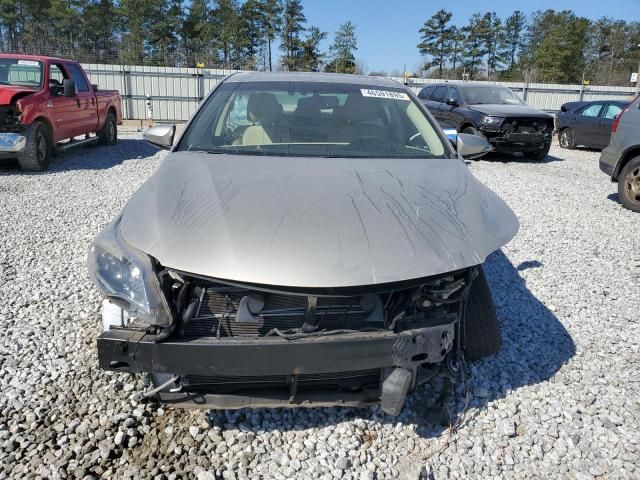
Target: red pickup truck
45, 103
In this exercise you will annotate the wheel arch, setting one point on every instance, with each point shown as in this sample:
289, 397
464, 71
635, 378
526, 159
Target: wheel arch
465, 124
626, 157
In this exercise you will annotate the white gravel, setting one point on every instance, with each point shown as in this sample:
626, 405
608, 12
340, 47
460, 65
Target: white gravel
560, 400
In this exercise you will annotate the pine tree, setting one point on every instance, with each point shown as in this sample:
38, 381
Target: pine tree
197, 35
290, 38
513, 38
473, 44
272, 24
492, 37
312, 58
342, 51
436, 39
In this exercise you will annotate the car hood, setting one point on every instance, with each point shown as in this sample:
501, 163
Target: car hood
7, 92
510, 111
315, 222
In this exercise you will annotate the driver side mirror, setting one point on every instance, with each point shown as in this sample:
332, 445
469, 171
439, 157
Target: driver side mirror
452, 102
69, 87
160, 135
471, 146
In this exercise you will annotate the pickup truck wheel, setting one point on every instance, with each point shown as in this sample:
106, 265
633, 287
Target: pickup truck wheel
480, 330
108, 134
566, 139
629, 185
38, 149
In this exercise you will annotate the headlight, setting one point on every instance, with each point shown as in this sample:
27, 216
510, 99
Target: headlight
126, 277
492, 120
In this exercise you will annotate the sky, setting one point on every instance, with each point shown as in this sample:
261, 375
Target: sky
387, 30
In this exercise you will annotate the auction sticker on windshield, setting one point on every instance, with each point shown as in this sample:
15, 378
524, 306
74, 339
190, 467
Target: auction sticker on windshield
29, 63
367, 92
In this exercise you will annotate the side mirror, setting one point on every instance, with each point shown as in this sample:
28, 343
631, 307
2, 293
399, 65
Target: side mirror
69, 87
94, 86
471, 146
452, 101
160, 135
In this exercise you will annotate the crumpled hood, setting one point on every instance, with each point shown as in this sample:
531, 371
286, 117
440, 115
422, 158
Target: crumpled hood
315, 222
7, 92
510, 111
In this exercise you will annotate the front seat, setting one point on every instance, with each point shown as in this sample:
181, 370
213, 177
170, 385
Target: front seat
267, 127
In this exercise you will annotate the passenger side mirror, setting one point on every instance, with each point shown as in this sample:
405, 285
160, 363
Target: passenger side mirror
471, 146
160, 135
452, 101
69, 88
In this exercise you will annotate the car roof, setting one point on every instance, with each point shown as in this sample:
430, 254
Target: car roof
363, 80
463, 84
39, 58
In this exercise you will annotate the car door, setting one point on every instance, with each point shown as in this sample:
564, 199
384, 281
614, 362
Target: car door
448, 113
63, 110
436, 100
584, 124
605, 123
87, 116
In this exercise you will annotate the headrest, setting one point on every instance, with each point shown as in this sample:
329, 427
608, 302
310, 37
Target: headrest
263, 108
359, 109
317, 102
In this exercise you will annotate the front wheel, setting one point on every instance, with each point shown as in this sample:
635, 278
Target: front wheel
629, 185
108, 134
38, 149
480, 329
539, 155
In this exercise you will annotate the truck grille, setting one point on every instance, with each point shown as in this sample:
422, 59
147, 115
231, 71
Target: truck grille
525, 125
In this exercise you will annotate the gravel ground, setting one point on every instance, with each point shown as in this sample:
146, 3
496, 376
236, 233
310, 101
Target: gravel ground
560, 400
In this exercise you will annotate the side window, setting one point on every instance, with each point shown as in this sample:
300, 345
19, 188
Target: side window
78, 77
590, 110
612, 111
453, 93
439, 94
425, 92
56, 76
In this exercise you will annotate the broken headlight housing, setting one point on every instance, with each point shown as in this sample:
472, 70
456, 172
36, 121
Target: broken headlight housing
125, 276
493, 121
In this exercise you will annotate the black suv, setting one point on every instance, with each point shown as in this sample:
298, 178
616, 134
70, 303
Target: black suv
493, 112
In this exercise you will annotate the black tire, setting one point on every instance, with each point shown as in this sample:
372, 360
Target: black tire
472, 131
540, 154
37, 152
566, 139
108, 134
480, 330
629, 185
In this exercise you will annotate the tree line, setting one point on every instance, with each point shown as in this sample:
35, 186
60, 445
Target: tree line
547, 46
215, 33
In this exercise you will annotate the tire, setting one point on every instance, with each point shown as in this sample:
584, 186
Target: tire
629, 185
540, 154
480, 331
472, 131
37, 152
108, 134
566, 139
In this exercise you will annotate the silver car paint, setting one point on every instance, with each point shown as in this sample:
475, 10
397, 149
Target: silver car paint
625, 139
315, 222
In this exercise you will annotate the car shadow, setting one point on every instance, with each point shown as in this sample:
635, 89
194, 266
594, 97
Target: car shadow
517, 158
614, 198
535, 345
90, 157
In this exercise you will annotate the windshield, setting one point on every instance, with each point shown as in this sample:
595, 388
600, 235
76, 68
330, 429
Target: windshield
24, 73
490, 95
312, 119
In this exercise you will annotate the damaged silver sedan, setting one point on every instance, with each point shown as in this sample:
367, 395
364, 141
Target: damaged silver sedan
310, 240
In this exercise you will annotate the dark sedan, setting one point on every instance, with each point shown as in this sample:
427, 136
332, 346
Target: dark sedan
492, 112
587, 123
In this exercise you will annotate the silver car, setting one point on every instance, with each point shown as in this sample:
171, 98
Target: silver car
621, 159
310, 239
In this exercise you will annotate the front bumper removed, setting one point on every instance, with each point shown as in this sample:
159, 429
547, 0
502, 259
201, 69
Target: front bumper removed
12, 142
349, 369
